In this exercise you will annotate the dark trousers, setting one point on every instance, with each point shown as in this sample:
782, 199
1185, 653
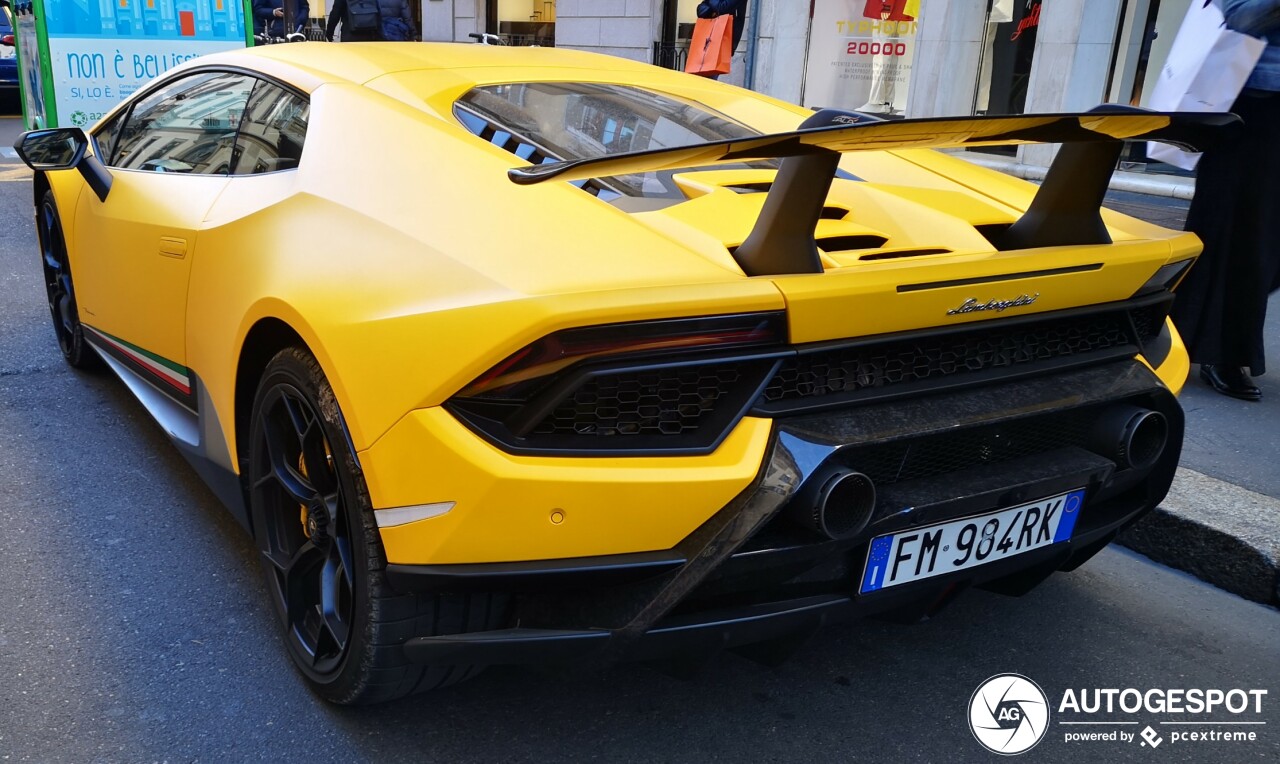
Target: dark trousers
1222, 303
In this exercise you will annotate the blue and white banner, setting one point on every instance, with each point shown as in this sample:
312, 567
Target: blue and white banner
102, 51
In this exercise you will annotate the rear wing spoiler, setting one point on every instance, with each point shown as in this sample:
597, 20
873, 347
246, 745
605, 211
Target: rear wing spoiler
1067, 210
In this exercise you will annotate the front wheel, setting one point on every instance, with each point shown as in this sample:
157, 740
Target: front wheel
322, 557
59, 287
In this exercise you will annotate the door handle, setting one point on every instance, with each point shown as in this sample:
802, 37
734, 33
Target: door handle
173, 247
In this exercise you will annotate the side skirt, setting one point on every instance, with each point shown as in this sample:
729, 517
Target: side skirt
189, 420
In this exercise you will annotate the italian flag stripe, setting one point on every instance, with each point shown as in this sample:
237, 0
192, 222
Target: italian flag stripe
170, 372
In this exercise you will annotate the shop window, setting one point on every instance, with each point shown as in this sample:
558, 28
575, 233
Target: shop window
678, 19
1147, 30
522, 22
1008, 46
861, 53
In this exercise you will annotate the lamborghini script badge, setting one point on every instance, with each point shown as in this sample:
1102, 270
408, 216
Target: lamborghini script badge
972, 305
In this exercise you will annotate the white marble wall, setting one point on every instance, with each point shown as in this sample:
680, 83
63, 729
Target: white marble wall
944, 73
625, 28
783, 33
451, 20
1072, 62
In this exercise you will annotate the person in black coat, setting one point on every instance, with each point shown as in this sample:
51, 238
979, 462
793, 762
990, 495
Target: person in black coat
387, 10
268, 16
1221, 305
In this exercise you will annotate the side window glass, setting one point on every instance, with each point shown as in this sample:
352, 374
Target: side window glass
186, 126
104, 141
272, 131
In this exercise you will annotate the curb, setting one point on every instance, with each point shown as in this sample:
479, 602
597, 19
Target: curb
1219, 532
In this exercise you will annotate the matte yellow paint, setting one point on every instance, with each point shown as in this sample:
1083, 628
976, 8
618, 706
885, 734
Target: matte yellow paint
864, 299
407, 262
504, 502
1173, 372
135, 287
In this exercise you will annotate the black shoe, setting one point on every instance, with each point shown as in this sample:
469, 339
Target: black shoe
1230, 380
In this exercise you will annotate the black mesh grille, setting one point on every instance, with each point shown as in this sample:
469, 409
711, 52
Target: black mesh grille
1149, 321
993, 346
690, 405
659, 402
953, 452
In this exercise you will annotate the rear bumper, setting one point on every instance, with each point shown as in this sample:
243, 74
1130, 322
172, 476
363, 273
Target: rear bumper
749, 575
712, 631
779, 622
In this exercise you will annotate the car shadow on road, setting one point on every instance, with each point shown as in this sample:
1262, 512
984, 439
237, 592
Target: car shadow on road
850, 689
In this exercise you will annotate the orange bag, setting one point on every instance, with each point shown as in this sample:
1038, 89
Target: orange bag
711, 47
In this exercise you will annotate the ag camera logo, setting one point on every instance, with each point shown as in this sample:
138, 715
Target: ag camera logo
1009, 714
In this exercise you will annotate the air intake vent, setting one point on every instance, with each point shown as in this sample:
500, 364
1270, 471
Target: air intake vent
847, 243
992, 232
875, 368
903, 253
829, 212
505, 139
934, 455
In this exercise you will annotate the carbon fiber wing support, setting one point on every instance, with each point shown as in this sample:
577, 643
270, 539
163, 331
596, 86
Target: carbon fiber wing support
1065, 211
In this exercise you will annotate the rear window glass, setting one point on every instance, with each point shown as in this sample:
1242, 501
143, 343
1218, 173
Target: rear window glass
553, 121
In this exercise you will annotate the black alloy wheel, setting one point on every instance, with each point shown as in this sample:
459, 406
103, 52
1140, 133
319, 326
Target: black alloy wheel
322, 557
59, 288
302, 517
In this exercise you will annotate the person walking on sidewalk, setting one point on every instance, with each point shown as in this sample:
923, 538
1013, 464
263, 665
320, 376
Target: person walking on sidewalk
269, 16
1222, 303
369, 20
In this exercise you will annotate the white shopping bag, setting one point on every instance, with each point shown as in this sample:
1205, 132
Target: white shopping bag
1206, 69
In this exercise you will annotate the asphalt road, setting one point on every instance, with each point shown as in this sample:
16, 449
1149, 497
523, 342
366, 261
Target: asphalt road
133, 627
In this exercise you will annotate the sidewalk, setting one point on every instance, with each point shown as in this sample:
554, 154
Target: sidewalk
1141, 183
1218, 532
1213, 525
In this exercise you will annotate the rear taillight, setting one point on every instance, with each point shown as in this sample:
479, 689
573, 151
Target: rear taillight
648, 387
517, 374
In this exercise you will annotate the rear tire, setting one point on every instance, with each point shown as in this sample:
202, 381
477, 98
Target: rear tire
59, 287
322, 556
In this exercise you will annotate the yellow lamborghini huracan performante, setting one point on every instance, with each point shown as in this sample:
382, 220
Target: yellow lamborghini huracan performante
531, 355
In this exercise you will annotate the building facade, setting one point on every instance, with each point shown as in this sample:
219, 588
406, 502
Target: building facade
914, 58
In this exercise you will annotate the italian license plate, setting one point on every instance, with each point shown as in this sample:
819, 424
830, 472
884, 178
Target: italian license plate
911, 555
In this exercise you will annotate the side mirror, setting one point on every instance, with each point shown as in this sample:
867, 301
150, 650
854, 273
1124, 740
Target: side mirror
63, 148
57, 149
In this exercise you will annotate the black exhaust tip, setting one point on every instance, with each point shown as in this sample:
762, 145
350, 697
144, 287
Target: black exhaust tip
842, 507
1131, 436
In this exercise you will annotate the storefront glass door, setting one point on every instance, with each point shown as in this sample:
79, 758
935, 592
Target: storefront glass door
523, 22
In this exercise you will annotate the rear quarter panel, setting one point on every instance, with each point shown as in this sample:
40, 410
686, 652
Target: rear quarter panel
409, 264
